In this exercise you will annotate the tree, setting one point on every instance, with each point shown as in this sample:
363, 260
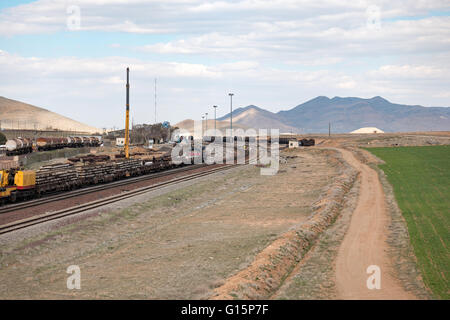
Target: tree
142, 133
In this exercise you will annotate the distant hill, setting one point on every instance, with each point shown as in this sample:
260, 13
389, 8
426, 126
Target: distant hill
15, 114
346, 115
257, 118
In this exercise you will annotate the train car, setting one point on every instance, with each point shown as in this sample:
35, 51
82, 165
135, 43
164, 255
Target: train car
43, 143
94, 141
307, 142
59, 143
17, 184
69, 141
76, 142
86, 141
25, 184
18, 146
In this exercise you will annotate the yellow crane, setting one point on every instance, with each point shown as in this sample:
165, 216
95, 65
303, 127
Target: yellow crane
127, 119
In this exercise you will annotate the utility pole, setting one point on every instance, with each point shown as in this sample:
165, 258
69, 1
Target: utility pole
127, 118
206, 131
203, 118
329, 129
231, 113
215, 127
155, 100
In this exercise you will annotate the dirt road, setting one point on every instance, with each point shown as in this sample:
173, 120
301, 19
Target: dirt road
365, 243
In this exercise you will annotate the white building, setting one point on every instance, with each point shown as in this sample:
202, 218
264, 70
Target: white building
120, 142
293, 144
368, 130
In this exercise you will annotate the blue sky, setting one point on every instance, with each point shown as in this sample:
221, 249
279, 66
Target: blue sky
274, 54
12, 3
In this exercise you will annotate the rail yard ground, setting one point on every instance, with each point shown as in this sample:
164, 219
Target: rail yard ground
308, 232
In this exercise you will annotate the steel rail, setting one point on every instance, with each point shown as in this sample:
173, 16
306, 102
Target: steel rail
17, 225
96, 188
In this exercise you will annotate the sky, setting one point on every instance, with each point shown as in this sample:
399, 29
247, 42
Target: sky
70, 56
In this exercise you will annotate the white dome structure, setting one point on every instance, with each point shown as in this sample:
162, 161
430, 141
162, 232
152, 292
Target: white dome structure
368, 130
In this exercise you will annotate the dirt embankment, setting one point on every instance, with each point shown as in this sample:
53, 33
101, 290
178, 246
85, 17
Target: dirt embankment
365, 239
271, 266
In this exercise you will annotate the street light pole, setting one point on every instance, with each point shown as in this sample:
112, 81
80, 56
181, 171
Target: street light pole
203, 118
231, 112
215, 127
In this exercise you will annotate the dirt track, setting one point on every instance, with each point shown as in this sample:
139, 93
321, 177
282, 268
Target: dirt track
365, 243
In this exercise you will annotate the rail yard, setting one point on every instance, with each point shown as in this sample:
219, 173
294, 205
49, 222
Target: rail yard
201, 231
206, 217
209, 217
224, 159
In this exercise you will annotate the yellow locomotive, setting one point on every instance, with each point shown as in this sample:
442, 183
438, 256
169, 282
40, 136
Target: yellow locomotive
15, 184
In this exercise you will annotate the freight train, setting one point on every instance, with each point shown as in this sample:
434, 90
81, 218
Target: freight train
20, 146
18, 184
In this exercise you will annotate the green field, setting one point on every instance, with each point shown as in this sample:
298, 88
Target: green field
420, 177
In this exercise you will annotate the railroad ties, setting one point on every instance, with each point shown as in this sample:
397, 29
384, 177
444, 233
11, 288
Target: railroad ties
56, 177
67, 176
90, 173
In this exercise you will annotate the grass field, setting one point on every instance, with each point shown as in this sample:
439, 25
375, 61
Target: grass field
420, 177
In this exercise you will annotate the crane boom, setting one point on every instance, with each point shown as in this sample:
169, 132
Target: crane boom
127, 118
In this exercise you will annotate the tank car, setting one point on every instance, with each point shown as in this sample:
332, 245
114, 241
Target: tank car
43, 143
18, 146
86, 141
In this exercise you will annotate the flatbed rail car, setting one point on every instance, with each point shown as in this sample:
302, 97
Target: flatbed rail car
26, 184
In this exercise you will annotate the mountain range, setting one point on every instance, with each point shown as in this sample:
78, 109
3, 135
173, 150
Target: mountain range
345, 115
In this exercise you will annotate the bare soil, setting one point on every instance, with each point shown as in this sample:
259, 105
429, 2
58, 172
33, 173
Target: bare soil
365, 243
180, 245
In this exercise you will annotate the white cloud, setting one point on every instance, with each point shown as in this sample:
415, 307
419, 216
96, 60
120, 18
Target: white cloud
412, 72
92, 90
162, 16
272, 53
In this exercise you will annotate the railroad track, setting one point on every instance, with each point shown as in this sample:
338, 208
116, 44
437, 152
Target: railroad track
87, 190
21, 224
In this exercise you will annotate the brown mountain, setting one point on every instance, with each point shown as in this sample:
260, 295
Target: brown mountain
346, 115
257, 118
18, 115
